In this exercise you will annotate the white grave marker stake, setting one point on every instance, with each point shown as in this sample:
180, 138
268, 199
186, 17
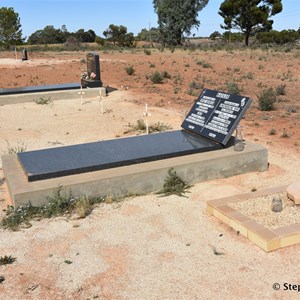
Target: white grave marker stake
101, 104
81, 93
146, 115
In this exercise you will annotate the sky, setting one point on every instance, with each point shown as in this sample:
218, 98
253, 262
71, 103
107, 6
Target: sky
134, 14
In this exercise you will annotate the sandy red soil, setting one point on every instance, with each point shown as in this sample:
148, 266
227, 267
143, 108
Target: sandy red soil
251, 70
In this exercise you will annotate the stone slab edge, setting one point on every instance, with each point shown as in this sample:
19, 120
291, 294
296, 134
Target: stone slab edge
135, 179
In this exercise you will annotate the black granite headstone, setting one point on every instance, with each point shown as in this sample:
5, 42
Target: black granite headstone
215, 115
68, 160
24, 54
93, 71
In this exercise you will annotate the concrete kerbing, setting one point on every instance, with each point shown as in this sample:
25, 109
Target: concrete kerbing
139, 178
55, 95
266, 239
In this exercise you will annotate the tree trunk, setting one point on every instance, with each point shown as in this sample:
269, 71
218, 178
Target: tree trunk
247, 35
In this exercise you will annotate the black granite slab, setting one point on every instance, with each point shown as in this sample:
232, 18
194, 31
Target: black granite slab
40, 88
215, 115
68, 160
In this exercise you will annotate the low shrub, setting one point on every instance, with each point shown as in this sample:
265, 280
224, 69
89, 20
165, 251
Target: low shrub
156, 77
174, 185
147, 51
233, 88
281, 90
42, 100
267, 99
130, 70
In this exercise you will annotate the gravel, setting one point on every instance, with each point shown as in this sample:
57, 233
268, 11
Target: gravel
260, 210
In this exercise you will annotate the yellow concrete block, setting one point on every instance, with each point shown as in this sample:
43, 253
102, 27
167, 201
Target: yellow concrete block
209, 209
256, 239
221, 216
290, 240
238, 227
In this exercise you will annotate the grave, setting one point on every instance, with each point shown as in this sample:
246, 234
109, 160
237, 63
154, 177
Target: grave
24, 55
202, 150
93, 77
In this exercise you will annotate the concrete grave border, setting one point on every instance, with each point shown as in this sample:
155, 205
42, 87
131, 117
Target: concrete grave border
138, 178
266, 239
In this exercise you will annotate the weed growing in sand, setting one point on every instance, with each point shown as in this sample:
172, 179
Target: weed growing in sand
204, 64
147, 52
7, 260
165, 74
267, 99
83, 207
291, 109
174, 185
141, 127
250, 76
281, 90
196, 85
177, 90
156, 77
272, 131
285, 134
20, 147
233, 88
60, 203
130, 70
42, 100
177, 79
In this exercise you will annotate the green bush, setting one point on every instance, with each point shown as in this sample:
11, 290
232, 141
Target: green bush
156, 77
60, 203
196, 85
281, 90
174, 185
165, 74
43, 101
267, 99
147, 52
233, 88
130, 70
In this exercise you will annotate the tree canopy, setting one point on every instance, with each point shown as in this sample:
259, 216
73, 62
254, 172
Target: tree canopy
245, 15
177, 17
51, 35
10, 27
118, 35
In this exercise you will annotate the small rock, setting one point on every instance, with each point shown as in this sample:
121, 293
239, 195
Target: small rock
277, 204
293, 192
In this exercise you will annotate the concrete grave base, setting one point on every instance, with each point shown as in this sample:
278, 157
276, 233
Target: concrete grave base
52, 95
139, 178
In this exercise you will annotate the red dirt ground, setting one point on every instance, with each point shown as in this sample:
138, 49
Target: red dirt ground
251, 70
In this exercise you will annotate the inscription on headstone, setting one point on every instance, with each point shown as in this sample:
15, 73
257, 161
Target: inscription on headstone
215, 115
